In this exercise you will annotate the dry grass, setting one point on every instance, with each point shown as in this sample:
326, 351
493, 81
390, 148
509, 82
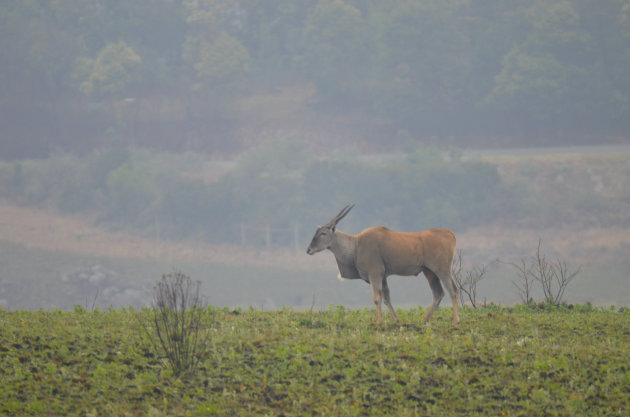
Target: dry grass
606, 174
41, 229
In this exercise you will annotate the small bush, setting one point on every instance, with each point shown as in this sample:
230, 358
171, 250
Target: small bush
179, 328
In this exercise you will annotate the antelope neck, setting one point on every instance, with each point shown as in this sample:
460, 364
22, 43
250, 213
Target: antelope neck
344, 246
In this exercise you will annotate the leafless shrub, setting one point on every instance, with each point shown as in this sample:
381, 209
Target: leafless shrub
179, 329
467, 281
553, 277
525, 281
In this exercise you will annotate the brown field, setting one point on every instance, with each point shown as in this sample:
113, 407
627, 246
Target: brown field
41, 229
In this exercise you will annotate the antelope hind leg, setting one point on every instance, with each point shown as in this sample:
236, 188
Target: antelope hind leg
453, 291
436, 289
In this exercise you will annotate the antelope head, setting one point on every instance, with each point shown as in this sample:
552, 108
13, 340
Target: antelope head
325, 235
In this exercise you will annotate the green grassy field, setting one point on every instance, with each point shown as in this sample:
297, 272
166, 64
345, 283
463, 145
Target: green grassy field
497, 362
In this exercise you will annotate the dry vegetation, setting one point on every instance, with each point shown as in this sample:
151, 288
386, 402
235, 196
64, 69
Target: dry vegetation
41, 229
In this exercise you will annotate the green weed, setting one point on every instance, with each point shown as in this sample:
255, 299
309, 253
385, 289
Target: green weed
498, 361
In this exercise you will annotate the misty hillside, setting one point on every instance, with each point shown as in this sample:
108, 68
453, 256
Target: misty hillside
216, 76
214, 135
102, 228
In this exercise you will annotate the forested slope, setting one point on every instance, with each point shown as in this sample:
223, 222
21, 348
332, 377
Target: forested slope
167, 74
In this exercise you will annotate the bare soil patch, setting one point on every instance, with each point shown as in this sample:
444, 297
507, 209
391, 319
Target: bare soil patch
42, 229
591, 245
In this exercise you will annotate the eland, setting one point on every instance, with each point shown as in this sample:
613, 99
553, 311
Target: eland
378, 252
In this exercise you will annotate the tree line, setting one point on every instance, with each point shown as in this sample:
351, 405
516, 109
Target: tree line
435, 68
275, 186
282, 186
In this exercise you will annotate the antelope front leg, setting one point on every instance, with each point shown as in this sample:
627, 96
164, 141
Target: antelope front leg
388, 300
376, 296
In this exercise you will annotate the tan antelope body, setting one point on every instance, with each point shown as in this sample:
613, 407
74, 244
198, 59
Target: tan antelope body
378, 252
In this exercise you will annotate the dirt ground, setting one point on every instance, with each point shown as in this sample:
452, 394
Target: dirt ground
41, 229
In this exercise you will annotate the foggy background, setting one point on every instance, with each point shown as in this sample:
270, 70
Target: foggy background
213, 137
